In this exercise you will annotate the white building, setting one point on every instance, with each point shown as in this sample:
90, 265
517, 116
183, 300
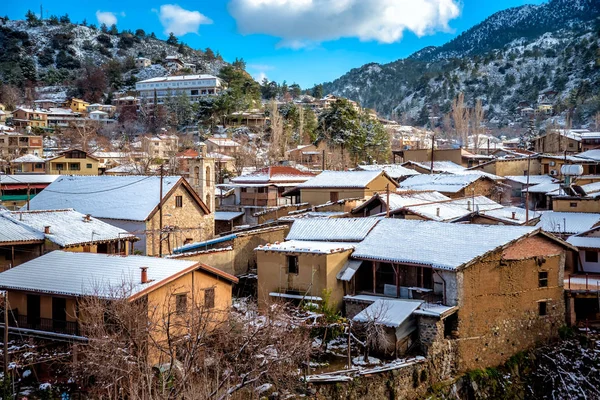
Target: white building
195, 86
142, 62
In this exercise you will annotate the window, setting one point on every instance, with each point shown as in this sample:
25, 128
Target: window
542, 308
74, 166
543, 279
292, 264
525, 173
188, 241
194, 92
334, 196
591, 256
60, 166
209, 298
243, 190
207, 176
261, 190
181, 303
178, 201
88, 165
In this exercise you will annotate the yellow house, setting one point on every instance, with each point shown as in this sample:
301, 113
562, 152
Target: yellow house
23, 117
73, 162
332, 186
45, 306
78, 105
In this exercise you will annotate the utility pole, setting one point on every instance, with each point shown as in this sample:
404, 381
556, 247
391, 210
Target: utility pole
28, 197
160, 213
432, 150
387, 190
5, 339
323, 161
527, 194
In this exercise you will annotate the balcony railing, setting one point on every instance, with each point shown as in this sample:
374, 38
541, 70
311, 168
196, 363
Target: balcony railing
45, 324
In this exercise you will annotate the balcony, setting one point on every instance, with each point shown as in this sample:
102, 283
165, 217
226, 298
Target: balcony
44, 324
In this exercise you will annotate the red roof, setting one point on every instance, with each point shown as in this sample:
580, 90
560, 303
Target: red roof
188, 153
282, 170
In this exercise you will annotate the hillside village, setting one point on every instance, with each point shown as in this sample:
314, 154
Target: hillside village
171, 228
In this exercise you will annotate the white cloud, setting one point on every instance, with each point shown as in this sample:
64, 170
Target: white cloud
260, 76
302, 23
260, 67
181, 21
107, 17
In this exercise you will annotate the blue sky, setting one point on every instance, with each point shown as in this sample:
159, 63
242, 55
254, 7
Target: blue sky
302, 41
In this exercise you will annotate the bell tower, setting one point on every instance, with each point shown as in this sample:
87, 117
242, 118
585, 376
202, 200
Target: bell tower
202, 177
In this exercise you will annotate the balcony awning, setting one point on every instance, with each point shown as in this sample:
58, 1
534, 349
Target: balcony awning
348, 270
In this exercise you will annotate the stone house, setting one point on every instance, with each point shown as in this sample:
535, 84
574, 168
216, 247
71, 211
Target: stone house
559, 141
29, 234
551, 165
332, 186
44, 306
457, 186
133, 203
225, 146
378, 203
488, 299
510, 166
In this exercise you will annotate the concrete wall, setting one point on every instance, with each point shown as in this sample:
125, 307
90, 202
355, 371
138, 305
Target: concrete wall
499, 302
512, 167
222, 259
322, 195
576, 205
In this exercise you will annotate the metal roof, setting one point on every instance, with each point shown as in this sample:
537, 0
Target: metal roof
90, 274
305, 246
331, 229
436, 244
341, 179
568, 222
227, 215
12, 230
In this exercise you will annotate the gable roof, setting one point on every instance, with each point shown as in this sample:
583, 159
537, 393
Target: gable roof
435, 244
134, 198
568, 222
274, 174
68, 227
28, 158
13, 231
584, 240
443, 183
93, 274
343, 179
453, 209
331, 229
395, 171
403, 199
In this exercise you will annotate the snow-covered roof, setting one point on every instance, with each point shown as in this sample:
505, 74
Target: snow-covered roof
590, 242
348, 270
227, 215
591, 187
435, 244
92, 274
303, 246
447, 167
28, 158
274, 174
341, 179
590, 154
543, 188
451, 210
409, 198
25, 179
392, 312
69, 227
177, 78
12, 230
505, 214
533, 179
114, 197
568, 222
395, 171
444, 183
223, 142
331, 229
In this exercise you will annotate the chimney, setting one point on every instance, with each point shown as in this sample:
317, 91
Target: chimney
514, 215
47, 230
144, 274
87, 218
437, 211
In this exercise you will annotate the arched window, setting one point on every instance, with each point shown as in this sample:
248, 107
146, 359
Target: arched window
207, 176
197, 174
207, 201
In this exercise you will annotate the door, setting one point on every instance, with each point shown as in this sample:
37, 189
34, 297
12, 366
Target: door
334, 196
59, 314
33, 311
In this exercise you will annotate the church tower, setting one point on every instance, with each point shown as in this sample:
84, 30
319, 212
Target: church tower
202, 177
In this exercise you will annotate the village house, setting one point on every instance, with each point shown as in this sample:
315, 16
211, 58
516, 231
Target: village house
440, 266
559, 141
265, 187
519, 183
307, 263
456, 186
226, 221
72, 162
14, 144
133, 203
17, 189
63, 117
161, 147
28, 164
395, 171
510, 166
251, 118
44, 306
224, 146
23, 117
29, 234
590, 141
551, 165
453, 210
331, 186
309, 155
142, 62
378, 204
78, 105
565, 224
163, 87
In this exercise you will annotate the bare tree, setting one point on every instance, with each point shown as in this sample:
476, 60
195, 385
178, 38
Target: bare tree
373, 329
460, 116
477, 122
277, 146
82, 132
597, 121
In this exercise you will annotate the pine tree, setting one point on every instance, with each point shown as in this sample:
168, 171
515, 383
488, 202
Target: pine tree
172, 40
526, 137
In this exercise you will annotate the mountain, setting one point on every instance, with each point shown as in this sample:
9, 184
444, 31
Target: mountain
52, 51
509, 58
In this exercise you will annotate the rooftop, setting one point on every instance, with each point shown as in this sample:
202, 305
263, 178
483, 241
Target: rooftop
13, 231
274, 174
533, 179
301, 246
341, 179
25, 179
331, 229
568, 222
92, 274
28, 158
178, 78
443, 183
69, 227
435, 244
505, 214
453, 209
394, 171
131, 198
